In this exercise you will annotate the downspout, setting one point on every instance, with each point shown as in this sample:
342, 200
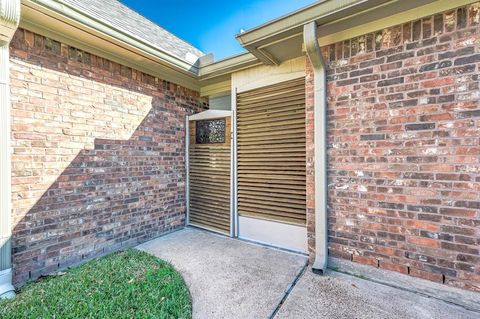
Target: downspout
320, 135
9, 19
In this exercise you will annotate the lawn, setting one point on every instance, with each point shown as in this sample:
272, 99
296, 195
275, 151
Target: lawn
126, 284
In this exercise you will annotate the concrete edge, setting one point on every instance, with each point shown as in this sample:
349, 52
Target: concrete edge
463, 298
300, 272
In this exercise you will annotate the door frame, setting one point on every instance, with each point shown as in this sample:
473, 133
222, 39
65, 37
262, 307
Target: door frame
210, 115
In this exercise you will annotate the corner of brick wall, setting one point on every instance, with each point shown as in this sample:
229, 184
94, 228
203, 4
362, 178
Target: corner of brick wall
404, 148
97, 158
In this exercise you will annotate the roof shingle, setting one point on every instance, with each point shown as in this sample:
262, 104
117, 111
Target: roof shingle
121, 17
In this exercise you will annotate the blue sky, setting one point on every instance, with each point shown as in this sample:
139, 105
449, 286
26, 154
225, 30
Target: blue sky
211, 25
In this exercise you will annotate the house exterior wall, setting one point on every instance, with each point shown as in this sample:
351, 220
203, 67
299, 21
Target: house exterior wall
98, 155
404, 148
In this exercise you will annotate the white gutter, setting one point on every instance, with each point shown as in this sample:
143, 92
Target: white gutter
320, 136
9, 18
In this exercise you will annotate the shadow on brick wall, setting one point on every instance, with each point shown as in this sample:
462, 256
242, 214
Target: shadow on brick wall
116, 194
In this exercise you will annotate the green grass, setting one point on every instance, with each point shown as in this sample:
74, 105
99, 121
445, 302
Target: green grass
126, 284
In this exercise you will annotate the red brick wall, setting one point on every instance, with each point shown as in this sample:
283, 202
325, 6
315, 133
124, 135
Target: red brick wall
98, 155
404, 148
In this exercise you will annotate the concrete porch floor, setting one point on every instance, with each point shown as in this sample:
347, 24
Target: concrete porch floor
229, 279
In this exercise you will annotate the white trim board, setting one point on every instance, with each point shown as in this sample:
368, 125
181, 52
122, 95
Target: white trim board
209, 114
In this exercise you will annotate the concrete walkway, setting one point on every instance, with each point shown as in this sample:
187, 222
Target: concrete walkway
231, 279
337, 295
228, 278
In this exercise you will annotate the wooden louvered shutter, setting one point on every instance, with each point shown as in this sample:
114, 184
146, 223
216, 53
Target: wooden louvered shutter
271, 152
210, 182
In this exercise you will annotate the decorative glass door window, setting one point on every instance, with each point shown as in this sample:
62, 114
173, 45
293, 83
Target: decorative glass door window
210, 131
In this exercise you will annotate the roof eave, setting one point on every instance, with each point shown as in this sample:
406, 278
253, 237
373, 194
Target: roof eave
228, 65
281, 39
321, 12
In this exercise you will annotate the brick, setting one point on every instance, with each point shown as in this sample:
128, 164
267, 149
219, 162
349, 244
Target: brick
416, 224
422, 159
423, 208
474, 15
391, 82
417, 30
468, 204
438, 24
424, 242
456, 53
426, 275
468, 114
404, 103
435, 66
440, 270
459, 248
400, 56
465, 240
365, 260
453, 177
372, 137
449, 23
473, 58
458, 212
420, 126
394, 267
391, 205
458, 230
427, 27
438, 82
369, 78
468, 258
430, 217
461, 18
361, 72
347, 82
414, 175
366, 64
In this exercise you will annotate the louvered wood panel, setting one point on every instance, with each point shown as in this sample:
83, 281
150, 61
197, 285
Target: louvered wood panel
209, 169
271, 152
